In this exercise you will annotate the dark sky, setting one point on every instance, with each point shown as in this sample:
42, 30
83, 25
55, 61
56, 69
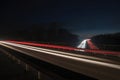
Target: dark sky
83, 17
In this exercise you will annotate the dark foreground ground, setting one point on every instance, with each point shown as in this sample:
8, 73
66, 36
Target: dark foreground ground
10, 70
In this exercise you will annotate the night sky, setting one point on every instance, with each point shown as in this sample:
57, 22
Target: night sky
82, 17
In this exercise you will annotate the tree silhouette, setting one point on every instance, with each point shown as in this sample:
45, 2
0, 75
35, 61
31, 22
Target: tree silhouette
108, 41
52, 33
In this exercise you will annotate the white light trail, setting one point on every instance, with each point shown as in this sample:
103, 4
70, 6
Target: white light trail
64, 54
83, 44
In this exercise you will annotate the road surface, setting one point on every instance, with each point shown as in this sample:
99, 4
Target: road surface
99, 68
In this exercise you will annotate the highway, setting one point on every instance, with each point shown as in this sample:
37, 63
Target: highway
99, 68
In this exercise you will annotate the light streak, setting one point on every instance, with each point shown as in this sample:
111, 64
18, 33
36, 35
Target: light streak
54, 53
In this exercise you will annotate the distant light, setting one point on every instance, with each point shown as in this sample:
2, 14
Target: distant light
83, 44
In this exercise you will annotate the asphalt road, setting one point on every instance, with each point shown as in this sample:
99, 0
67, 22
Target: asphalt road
12, 69
99, 68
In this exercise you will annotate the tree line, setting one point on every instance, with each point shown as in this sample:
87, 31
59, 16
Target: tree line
52, 33
107, 41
